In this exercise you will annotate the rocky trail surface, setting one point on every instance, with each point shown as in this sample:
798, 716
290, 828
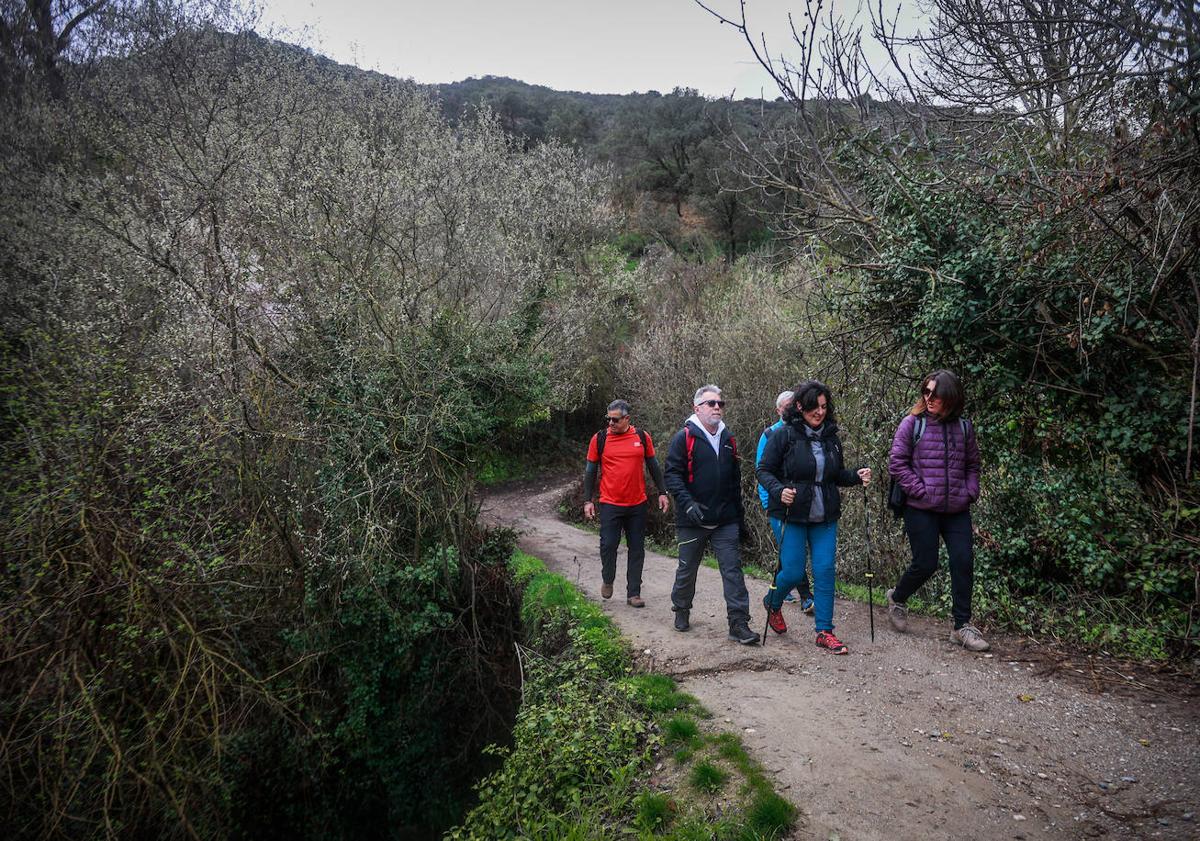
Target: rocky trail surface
909, 737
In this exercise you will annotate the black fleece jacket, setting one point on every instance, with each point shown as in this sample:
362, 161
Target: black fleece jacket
787, 462
716, 484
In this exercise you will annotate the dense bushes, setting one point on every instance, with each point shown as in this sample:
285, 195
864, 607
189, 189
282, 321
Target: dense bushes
1079, 389
250, 363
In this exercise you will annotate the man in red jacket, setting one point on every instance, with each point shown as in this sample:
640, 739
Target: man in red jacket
619, 453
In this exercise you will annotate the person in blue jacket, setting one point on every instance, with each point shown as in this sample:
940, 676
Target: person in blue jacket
802, 587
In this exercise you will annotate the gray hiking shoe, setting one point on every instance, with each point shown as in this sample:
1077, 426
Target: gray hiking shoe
968, 637
740, 632
897, 613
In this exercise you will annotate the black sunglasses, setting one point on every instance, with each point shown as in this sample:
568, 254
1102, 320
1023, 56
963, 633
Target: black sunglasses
611, 419
928, 392
720, 404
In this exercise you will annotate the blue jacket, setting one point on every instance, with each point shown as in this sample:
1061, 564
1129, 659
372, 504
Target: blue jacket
763, 496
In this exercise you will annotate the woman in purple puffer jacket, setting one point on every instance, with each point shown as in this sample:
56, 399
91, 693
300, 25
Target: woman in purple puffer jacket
935, 459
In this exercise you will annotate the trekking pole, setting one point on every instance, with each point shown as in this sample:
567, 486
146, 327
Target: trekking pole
775, 574
870, 574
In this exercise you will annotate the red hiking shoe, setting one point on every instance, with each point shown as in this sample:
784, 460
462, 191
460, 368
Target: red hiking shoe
826, 639
775, 621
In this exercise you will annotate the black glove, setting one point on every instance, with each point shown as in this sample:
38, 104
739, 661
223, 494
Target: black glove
695, 514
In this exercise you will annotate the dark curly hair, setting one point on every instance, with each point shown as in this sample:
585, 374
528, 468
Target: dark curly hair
805, 394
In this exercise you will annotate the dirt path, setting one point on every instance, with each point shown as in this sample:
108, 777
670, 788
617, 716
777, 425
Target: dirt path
909, 737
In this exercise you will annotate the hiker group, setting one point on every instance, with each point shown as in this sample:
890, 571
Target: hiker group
800, 468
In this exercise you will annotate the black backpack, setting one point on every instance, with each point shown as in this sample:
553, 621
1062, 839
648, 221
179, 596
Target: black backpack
897, 498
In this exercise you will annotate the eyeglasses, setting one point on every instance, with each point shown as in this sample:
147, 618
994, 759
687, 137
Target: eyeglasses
928, 392
719, 404
611, 419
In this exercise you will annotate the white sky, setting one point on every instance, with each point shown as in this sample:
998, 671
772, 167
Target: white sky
599, 46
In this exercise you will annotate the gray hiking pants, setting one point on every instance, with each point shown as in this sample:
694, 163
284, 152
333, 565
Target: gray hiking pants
724, 540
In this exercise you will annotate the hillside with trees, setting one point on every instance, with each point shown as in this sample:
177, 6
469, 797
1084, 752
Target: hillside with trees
675, 181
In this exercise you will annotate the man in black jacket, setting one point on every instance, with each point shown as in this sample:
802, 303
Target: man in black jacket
704, 475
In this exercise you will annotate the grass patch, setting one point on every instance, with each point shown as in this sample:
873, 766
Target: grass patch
707, 777
859, 593
729, 747
588, 733
654, 810
657, 693
769, 815
681, 728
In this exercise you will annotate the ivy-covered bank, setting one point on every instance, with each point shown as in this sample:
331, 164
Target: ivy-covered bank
600, 751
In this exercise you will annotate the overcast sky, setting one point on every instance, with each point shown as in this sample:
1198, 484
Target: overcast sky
600, 46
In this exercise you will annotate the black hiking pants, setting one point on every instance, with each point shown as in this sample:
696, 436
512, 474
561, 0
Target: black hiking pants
630, 519
924, 529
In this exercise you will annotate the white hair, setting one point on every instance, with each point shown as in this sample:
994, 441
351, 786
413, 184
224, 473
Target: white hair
703, 390
784, 398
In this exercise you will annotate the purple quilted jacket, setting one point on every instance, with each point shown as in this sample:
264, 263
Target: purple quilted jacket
942, 472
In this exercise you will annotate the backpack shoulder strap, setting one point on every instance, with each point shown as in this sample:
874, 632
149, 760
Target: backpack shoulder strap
690, 441
918, 429
601, 437
790, 432
642, 437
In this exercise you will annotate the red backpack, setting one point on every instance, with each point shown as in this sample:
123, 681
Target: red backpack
690, 441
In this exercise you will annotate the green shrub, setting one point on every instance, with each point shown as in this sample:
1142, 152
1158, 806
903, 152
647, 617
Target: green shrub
579, 739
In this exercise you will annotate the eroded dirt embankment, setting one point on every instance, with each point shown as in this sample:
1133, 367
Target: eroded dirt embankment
908, 737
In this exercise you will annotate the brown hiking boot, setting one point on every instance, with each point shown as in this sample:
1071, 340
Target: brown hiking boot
635, 601
897, 613
606, 591
968, 637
